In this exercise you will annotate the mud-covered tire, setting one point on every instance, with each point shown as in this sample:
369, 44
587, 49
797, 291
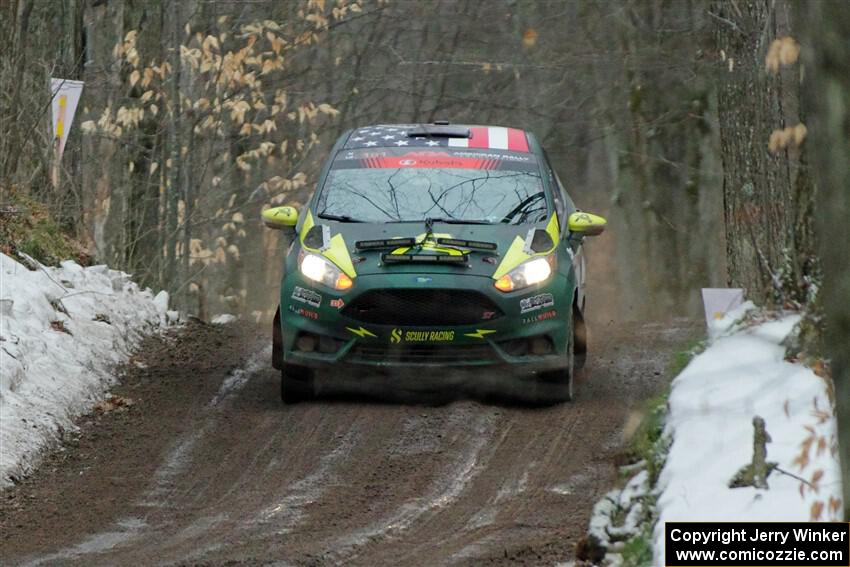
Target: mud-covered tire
579, 339
296, 384
277, 342
557, 385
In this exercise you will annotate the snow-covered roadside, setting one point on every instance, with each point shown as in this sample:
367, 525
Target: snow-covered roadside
712, 404
61, 332
707, 439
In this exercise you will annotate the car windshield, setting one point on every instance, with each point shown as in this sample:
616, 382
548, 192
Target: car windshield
391, 186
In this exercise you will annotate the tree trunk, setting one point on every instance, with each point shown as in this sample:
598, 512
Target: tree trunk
767, 192
175, 160
826, 27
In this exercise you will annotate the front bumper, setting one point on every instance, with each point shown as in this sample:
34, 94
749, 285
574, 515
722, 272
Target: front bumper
527, 328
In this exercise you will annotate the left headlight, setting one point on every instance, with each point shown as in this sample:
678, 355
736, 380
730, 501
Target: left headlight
319, 269
528, 273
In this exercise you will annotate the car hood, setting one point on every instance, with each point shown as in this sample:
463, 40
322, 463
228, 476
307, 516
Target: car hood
511, 246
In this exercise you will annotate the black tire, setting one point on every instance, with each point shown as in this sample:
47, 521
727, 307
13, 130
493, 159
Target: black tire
296, 384
557, 385
277, 342
579, 338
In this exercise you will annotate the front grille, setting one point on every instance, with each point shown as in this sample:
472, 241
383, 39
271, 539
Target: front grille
422, 354
422, 307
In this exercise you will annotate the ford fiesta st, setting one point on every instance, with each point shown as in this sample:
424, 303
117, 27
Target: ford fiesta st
434, 245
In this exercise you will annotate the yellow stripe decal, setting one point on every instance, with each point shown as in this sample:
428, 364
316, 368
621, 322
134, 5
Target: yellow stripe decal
553, 228
338, 254
516, 253
305, 228
513, 258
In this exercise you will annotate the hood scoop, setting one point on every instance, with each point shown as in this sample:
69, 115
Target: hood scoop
318, 237
537, 240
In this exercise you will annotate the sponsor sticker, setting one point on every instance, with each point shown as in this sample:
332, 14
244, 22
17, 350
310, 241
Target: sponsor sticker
424, 279
436, 336
551, 314
338, 303
362, 332
304, 312
480, 333
307, 296
536, 302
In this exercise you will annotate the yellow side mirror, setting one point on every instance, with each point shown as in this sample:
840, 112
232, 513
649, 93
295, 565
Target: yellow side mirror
586, 224
280, 217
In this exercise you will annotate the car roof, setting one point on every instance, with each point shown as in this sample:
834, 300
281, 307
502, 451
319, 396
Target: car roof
439, 134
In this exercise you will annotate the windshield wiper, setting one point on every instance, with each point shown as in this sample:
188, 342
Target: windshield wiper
340, 218
458, 221
430, 221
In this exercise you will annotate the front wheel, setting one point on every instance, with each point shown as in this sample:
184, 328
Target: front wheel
558, 384
296, 384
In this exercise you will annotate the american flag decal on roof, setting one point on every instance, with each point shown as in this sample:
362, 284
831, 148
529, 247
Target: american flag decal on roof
480, 137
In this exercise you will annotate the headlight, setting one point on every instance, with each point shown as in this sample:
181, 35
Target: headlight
318, 269
528, 273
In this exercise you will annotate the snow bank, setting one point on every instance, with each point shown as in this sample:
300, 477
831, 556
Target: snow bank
61, 331
712, 405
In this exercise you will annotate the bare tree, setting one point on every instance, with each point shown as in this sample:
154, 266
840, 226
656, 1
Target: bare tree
767, 188
826, 27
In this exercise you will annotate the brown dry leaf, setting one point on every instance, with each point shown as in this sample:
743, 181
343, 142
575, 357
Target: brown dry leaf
112, 403
822, 446
785, 408
59, 326
799, 133
789, 50
779, 140
783, 51
771, 61
529, 38
816, 511
834, 505
818, 474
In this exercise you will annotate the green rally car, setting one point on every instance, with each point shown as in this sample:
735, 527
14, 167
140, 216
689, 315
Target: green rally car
434, 245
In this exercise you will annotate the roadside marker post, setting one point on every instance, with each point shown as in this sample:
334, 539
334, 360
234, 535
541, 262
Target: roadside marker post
65, 95
719, 301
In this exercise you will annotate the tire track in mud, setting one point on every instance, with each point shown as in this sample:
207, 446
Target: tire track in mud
178, 458
208, 468
445, 488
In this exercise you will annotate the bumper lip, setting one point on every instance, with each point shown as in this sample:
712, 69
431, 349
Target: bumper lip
531, 363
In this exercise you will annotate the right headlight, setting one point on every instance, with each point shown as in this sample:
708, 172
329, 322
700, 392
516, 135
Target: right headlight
528, 273
321, 270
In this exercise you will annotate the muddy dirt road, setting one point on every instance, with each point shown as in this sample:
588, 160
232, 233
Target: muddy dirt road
208, 468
